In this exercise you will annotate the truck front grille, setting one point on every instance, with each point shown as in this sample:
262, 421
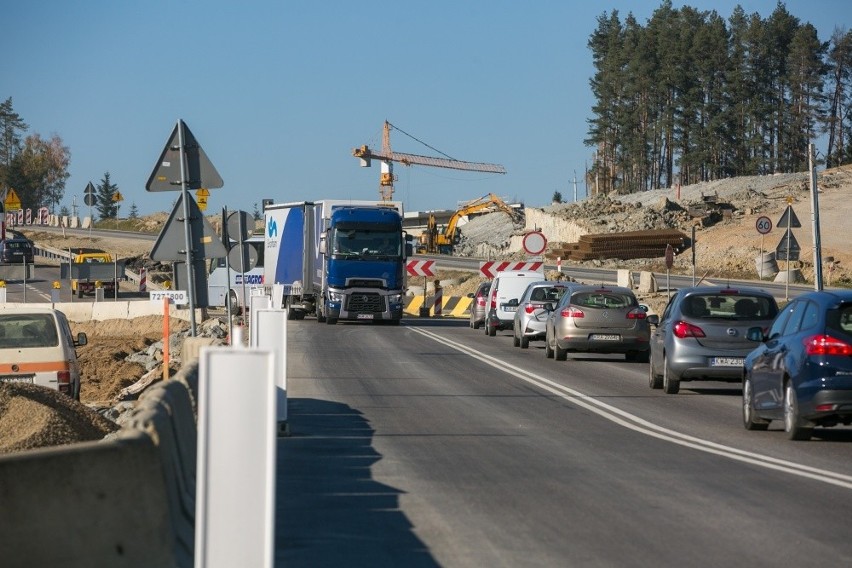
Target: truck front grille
365, 303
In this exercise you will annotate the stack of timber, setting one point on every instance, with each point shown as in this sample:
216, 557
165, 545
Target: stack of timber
632, 244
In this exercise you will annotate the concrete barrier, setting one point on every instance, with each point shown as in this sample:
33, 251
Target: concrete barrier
122, 309
128, 500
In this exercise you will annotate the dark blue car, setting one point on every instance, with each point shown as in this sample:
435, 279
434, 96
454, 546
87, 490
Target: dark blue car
802, 371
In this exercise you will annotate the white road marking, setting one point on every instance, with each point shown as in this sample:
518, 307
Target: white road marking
643, 426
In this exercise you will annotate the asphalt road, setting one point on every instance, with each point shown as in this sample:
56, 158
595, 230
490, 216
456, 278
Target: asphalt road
432, 444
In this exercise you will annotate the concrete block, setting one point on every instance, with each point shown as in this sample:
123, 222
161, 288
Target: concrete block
624, 278
647, 283
101, 503
110, 309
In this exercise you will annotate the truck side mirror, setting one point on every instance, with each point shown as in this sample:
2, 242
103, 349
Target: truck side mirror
322, 245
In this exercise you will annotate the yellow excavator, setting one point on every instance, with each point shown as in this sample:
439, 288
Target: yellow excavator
435, 241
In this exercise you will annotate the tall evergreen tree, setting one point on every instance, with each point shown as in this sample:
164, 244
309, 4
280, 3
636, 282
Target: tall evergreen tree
105, 203
839, 61
12, 128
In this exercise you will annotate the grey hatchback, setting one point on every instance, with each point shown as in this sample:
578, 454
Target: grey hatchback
531, 317
597, 319
477, 306
702, 334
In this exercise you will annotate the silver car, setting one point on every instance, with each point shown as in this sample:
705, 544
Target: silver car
531, 316
701, 335
597, 319
477, 306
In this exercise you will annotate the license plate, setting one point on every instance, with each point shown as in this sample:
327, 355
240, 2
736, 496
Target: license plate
726, 361
510, 308
16, 378
605, 337
365, 316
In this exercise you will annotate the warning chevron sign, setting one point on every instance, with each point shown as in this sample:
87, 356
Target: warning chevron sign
490, 268
420, 267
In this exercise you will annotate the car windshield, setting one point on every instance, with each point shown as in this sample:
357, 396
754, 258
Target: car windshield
27, 330
362, 243
729, 306
547, 293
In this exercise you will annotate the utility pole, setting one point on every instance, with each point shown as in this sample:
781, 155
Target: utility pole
815, 220
575, 186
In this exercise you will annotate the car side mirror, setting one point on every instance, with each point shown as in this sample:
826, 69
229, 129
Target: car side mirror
755, 334
81, 339
653, 319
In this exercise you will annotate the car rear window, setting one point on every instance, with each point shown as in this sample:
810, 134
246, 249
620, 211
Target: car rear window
547, 293
601, 299
27, 330
840, 319
731, 306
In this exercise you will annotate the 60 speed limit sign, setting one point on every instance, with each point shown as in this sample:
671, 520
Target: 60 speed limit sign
763, 225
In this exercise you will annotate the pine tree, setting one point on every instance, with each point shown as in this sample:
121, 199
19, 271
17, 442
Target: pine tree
105, 202
12, 127
134, 211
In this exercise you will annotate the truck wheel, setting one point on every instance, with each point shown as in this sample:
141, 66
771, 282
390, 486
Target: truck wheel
331, 321
79, 292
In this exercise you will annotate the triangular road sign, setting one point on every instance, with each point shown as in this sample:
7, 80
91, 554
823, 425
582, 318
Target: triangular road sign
789, 216
12, 201
783, 253
171, 242
199, 170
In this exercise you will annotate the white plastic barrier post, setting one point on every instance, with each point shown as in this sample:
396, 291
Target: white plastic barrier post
235, 488
277, 295
269, 331
256, 303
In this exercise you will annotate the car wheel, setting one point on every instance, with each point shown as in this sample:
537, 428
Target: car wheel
525, 342
558, 353
548, 352
492, 330
515, 341
750, 419
655, 381
671, 385
795, 427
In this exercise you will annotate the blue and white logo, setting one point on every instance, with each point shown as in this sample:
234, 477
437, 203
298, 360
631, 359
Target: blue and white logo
271, 228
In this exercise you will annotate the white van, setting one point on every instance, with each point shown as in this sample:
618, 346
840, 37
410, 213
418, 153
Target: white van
36, 347
502, 302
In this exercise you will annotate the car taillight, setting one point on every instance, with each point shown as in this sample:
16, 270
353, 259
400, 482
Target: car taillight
529, 308
480, 300
572, 312
826, 345
636, 314
64, 380
494, 300
683, 329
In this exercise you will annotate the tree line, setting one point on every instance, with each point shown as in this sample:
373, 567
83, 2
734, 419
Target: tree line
37, 168
692, 97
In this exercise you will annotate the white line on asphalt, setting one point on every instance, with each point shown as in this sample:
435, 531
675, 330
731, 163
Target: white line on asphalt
641, 425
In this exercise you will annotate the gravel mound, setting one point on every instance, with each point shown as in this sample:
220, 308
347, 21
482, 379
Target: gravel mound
33, 416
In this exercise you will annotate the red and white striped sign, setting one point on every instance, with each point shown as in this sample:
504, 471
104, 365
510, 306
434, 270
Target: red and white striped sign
420, 267
490, 268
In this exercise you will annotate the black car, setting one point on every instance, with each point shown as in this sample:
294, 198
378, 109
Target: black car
16, 251
802, 372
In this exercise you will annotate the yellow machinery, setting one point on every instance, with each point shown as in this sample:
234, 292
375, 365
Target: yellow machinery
435, 241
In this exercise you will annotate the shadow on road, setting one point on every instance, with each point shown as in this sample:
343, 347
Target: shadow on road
330, 512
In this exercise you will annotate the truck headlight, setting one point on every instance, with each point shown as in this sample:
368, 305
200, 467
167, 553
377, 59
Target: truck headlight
335, 296
395, 298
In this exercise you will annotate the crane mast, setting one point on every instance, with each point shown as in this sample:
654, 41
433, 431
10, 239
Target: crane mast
387, 157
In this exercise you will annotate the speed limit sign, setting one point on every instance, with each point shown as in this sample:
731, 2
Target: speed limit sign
763, 225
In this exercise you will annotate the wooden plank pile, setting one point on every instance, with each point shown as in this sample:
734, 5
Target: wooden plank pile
626, 245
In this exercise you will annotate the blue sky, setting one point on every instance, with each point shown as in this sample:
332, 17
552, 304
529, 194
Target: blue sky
279, 93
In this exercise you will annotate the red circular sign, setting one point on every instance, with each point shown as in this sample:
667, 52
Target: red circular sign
763, 225
535, 242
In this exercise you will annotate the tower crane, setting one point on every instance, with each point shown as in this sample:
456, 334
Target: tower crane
388, 157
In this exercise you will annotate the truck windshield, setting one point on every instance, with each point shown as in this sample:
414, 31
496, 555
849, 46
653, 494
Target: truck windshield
365, 244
